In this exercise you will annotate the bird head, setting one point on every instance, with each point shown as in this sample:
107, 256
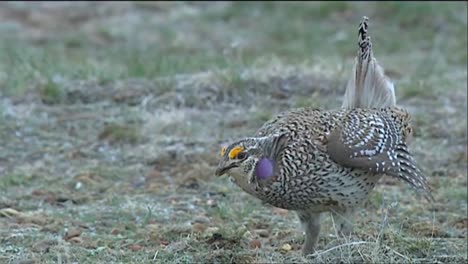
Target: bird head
251, 160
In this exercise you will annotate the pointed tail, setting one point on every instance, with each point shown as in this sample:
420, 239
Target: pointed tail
368, 87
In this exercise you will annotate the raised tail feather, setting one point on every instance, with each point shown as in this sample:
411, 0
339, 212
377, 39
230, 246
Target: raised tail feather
368, 87
410, 173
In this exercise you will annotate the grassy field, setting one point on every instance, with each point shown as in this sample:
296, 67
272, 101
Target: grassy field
112, 116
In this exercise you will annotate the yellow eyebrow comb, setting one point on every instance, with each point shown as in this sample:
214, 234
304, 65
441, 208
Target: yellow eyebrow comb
233, 153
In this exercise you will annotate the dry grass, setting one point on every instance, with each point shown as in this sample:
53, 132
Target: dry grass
111, 118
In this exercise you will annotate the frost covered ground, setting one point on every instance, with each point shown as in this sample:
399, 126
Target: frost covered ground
112, 115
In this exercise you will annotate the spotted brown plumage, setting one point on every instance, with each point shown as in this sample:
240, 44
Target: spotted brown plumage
313, 161
338, 147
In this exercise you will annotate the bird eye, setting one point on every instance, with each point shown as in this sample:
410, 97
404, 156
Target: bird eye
241, 155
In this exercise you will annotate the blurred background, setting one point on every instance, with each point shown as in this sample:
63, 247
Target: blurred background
112, 115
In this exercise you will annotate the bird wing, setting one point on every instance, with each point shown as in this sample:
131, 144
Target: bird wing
374, 141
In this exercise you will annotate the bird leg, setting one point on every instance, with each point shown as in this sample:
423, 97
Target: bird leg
311, 224
343, 221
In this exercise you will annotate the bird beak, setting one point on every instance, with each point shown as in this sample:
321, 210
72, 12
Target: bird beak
222, 170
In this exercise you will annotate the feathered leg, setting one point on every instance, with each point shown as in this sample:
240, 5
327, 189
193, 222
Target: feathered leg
311, 224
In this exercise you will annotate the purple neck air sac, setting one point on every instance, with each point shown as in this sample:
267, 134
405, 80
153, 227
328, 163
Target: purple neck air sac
264, 169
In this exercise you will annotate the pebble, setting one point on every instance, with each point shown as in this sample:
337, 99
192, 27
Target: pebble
262, 232
198, 228
75, 240
135, 247
71, 233
255, 243
115, 231
286, 247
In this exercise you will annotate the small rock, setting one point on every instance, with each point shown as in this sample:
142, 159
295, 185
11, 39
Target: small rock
286, 247
262, 232
37, 192
135, 247
73, 232
115, 231
255, 243
211, 202
198, 228
164, 242
75, 240
78, 185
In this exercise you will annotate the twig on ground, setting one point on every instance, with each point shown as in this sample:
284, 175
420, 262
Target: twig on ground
340, 246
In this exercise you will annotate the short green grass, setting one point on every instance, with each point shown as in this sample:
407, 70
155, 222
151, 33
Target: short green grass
111, 124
